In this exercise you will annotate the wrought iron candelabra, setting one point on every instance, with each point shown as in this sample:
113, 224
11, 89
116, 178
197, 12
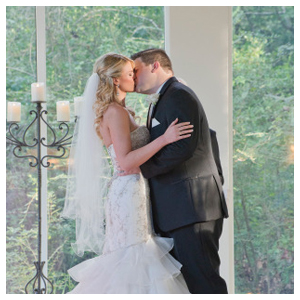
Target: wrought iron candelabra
40, 283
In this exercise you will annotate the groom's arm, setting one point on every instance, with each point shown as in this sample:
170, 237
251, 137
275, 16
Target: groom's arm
184, 107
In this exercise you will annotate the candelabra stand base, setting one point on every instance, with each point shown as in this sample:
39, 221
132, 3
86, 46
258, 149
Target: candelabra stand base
38, 280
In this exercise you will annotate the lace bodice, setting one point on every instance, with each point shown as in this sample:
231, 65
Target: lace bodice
127, 209
139, 138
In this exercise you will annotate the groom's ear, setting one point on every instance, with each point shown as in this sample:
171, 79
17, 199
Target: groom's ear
155, 66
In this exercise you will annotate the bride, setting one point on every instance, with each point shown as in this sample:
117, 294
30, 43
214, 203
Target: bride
112, 212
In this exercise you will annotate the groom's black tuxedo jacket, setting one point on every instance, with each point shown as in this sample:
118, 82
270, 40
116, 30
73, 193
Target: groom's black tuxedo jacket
185, 186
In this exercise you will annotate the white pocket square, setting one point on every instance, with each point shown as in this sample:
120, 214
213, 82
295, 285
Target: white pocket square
154, 122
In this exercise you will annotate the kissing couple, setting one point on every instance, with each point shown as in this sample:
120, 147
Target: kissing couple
156, 219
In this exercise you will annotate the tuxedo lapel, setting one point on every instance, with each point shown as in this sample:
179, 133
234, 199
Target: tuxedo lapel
152, 107
161, 95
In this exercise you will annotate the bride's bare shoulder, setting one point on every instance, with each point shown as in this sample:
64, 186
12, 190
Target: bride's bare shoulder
115, 111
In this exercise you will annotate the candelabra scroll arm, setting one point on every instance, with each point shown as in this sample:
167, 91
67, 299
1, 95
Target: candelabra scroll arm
24, 135
12, 142
13, 138
61, 128
53, 132
62, 141
68, 143
31, 164
59, 148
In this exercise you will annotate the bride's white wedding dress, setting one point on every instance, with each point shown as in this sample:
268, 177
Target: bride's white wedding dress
134, 259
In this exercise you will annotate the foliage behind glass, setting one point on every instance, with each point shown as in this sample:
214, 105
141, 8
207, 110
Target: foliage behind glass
263, 124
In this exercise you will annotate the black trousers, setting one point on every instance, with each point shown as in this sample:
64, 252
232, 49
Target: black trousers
196, 247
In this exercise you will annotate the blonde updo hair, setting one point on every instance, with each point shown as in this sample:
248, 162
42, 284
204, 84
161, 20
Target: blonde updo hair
108, 67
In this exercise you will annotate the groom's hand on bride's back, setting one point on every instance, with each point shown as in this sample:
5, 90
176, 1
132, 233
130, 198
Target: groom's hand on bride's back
130, 172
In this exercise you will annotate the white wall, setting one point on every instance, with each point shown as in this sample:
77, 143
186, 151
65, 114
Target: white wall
198, 40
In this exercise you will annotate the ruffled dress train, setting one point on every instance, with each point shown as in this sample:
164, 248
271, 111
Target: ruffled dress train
145, 268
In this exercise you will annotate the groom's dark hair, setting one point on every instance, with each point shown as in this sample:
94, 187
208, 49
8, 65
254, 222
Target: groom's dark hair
152, 55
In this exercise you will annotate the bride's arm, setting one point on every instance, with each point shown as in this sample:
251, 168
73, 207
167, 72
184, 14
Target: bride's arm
119, 127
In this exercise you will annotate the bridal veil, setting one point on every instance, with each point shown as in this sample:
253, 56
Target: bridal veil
88, 176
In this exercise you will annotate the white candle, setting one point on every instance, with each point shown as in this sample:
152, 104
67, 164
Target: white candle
63, 111
78, 102
38, 92
13, 112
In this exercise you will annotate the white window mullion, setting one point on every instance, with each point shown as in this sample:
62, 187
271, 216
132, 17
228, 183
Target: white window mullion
199, 42
41, 77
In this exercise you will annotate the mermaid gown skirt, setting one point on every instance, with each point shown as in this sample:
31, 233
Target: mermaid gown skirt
134, 259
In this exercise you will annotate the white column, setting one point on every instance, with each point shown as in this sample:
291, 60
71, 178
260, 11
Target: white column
41, 77
198, 40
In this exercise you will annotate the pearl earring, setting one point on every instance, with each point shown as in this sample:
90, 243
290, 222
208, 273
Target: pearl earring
118, 90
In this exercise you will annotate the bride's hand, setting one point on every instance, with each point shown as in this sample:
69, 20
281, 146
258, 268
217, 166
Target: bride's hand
136, 170
176, 132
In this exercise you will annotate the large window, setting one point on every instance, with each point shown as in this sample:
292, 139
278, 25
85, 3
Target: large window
263, 124
75, 38
21, 181
263, 95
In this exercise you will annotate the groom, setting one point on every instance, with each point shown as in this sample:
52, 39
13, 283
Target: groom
186, 193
